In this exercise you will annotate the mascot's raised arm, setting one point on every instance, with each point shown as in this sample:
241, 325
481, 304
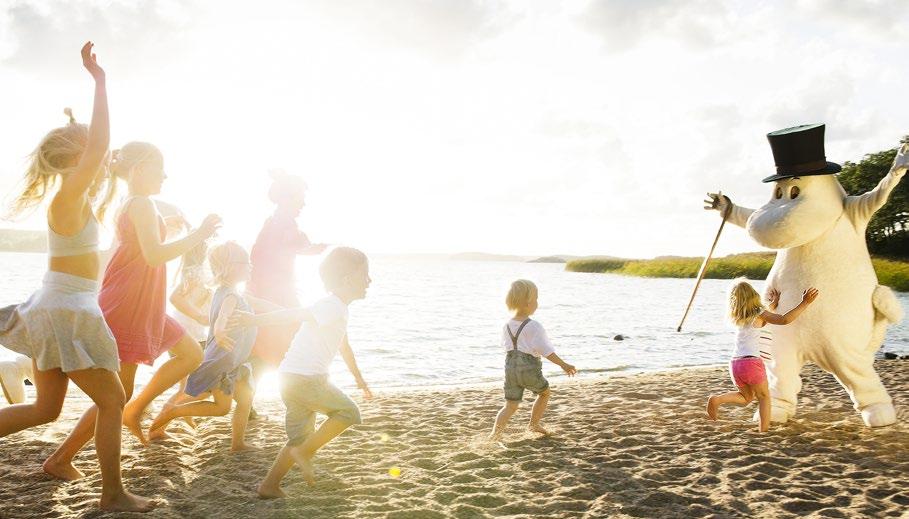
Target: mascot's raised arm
819, 233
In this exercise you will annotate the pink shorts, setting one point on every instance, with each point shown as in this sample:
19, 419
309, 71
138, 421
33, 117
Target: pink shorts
747, 371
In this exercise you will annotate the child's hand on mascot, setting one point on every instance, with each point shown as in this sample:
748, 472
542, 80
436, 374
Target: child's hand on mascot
808, 296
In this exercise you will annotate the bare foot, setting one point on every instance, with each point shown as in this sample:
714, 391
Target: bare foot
133, 421
537, 428
267, 492
65, 471
158, 435
305, 464
190, 421
713, 408
245, 447
126, 502
495, 435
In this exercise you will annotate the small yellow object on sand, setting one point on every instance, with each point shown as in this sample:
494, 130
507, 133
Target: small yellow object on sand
394, 472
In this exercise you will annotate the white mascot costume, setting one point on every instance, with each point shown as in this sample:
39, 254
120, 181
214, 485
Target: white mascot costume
819, 233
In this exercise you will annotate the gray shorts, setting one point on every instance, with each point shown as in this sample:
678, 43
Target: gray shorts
304, 396
523, 371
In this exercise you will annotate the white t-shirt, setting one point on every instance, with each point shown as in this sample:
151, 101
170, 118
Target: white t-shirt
315, 345
533, 339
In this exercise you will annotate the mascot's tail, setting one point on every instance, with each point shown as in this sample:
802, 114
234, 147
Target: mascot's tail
887, 311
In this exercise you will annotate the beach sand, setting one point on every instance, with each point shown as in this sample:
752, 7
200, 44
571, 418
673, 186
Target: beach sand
629, 446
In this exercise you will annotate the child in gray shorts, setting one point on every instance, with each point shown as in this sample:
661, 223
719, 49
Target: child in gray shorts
523, 367
305, 387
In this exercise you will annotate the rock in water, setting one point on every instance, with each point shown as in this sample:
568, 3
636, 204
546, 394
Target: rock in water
890, 355
619, 337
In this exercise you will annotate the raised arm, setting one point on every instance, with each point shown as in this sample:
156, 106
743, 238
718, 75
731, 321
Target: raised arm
808, 297
737, 215
348, 355
89, 166
860, 208
144, 216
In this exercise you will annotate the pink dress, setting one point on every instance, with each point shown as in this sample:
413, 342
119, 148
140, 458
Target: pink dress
272, 279
133, 299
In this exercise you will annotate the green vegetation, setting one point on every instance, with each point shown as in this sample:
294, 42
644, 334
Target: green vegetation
756, 265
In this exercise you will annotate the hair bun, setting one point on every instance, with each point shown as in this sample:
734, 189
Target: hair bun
69, 113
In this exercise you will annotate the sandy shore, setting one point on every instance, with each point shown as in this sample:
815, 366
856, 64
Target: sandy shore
635, 446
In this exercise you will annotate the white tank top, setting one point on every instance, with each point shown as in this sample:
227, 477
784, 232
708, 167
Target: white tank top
746, 341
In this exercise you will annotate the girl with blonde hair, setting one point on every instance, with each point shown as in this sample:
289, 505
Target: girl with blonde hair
225, 372
61, 327
133, 295
747, 313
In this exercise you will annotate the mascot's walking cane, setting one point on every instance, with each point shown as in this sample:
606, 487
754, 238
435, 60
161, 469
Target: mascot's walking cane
707, 258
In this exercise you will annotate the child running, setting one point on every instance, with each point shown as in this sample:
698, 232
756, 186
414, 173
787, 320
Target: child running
523, 367
61, 326
746, 367
191, 299
225, 371
305, 387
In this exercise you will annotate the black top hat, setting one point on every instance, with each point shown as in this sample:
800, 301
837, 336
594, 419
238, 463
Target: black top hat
799, 152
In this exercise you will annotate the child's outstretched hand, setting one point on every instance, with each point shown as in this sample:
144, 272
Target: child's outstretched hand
569, 369
240, 319
211, 224
808, 296
90, 61
773, 297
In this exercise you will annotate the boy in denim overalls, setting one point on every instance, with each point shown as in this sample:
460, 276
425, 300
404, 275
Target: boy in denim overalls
523, 367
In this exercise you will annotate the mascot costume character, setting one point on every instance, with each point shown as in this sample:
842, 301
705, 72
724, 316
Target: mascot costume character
819, 233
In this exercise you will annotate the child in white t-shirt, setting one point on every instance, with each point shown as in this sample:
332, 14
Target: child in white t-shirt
525, 341
305, 387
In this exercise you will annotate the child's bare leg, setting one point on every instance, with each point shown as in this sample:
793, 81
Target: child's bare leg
740, 398
270, 488
179, 398
302, 454
762, 393
187, 357
219, 407
505, 414
536, 413
105, 390
51, 386
60, 463
243, 394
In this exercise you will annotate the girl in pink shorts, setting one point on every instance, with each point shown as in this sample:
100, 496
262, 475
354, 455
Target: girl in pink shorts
746, 367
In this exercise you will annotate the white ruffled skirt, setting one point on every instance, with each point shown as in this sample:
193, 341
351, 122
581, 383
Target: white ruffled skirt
61, 326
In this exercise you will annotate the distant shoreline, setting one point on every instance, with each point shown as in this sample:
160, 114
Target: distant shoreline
754, 265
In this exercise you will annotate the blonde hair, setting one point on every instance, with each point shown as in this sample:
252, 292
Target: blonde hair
57, 154
192, 268
338, 264
744, 303
521, 293
220, 258
132, 156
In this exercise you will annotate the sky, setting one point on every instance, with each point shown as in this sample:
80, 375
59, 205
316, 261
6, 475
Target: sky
519, 127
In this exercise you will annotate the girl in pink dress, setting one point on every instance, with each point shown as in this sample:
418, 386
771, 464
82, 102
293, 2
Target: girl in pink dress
273, 255
134, 291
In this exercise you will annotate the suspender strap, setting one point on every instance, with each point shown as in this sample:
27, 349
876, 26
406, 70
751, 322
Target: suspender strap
514, 336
